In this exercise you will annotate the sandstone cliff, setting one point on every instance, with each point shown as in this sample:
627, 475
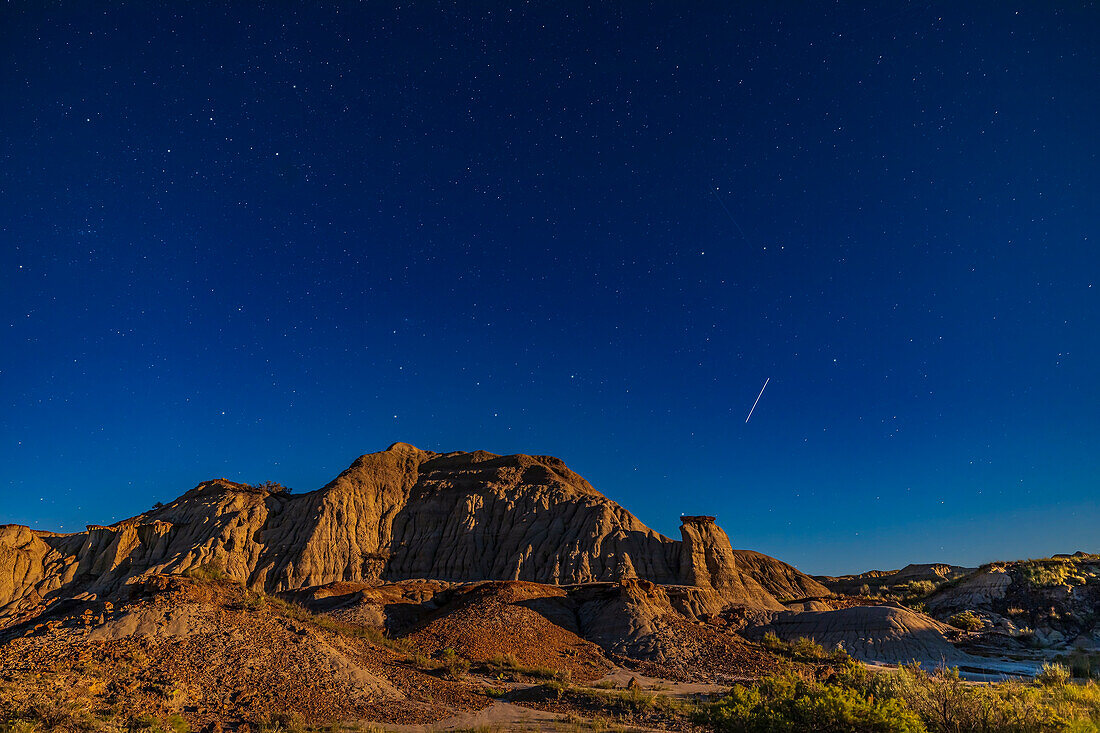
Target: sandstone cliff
401, 513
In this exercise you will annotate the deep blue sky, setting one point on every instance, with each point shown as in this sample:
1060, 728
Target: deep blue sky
258, 243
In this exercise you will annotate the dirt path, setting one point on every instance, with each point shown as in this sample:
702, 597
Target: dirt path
499, 715
621, 677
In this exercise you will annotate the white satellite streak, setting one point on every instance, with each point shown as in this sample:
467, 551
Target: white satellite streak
758, 397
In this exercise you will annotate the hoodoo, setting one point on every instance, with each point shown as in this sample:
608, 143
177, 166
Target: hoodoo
398, 514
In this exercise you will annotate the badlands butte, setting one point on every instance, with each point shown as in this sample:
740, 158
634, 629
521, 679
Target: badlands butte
465, 590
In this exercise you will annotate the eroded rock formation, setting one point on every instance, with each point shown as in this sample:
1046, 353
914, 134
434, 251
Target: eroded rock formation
401, 513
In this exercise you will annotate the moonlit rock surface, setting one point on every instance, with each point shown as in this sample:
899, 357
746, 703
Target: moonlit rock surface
401, 513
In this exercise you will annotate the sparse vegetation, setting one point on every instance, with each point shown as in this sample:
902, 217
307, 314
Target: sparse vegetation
304, 615
272, 487
176, 724
802, 649
424, 663
1049, 573
506, 665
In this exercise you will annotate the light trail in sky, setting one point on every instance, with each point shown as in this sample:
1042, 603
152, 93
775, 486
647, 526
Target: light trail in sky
754, 404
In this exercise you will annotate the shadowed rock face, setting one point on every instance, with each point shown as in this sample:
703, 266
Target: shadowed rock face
401, 513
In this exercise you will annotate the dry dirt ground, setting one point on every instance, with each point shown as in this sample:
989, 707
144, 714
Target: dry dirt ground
211, 653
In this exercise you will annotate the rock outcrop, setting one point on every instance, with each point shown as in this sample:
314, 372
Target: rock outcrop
872, 633
398, 514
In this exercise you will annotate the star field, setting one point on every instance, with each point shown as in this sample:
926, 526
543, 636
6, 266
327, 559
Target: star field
257, 243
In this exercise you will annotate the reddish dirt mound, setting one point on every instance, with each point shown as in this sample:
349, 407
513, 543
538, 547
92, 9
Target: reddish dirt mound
701, 653
534, 623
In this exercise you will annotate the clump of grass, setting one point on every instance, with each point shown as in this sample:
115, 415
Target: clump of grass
283, 723
455, 666
207, 571
423, 663
1053, 674
598, 724
44, 711
254, 601
450, 663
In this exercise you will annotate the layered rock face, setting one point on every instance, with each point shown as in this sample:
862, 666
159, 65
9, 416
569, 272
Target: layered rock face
401, 513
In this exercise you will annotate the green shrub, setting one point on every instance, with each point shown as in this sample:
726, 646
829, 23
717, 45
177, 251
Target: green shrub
779, 704
919, 588
967, 621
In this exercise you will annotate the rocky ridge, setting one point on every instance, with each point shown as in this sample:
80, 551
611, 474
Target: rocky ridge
398, 514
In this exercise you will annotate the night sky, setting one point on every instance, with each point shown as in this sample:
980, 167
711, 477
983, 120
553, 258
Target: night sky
259, 243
